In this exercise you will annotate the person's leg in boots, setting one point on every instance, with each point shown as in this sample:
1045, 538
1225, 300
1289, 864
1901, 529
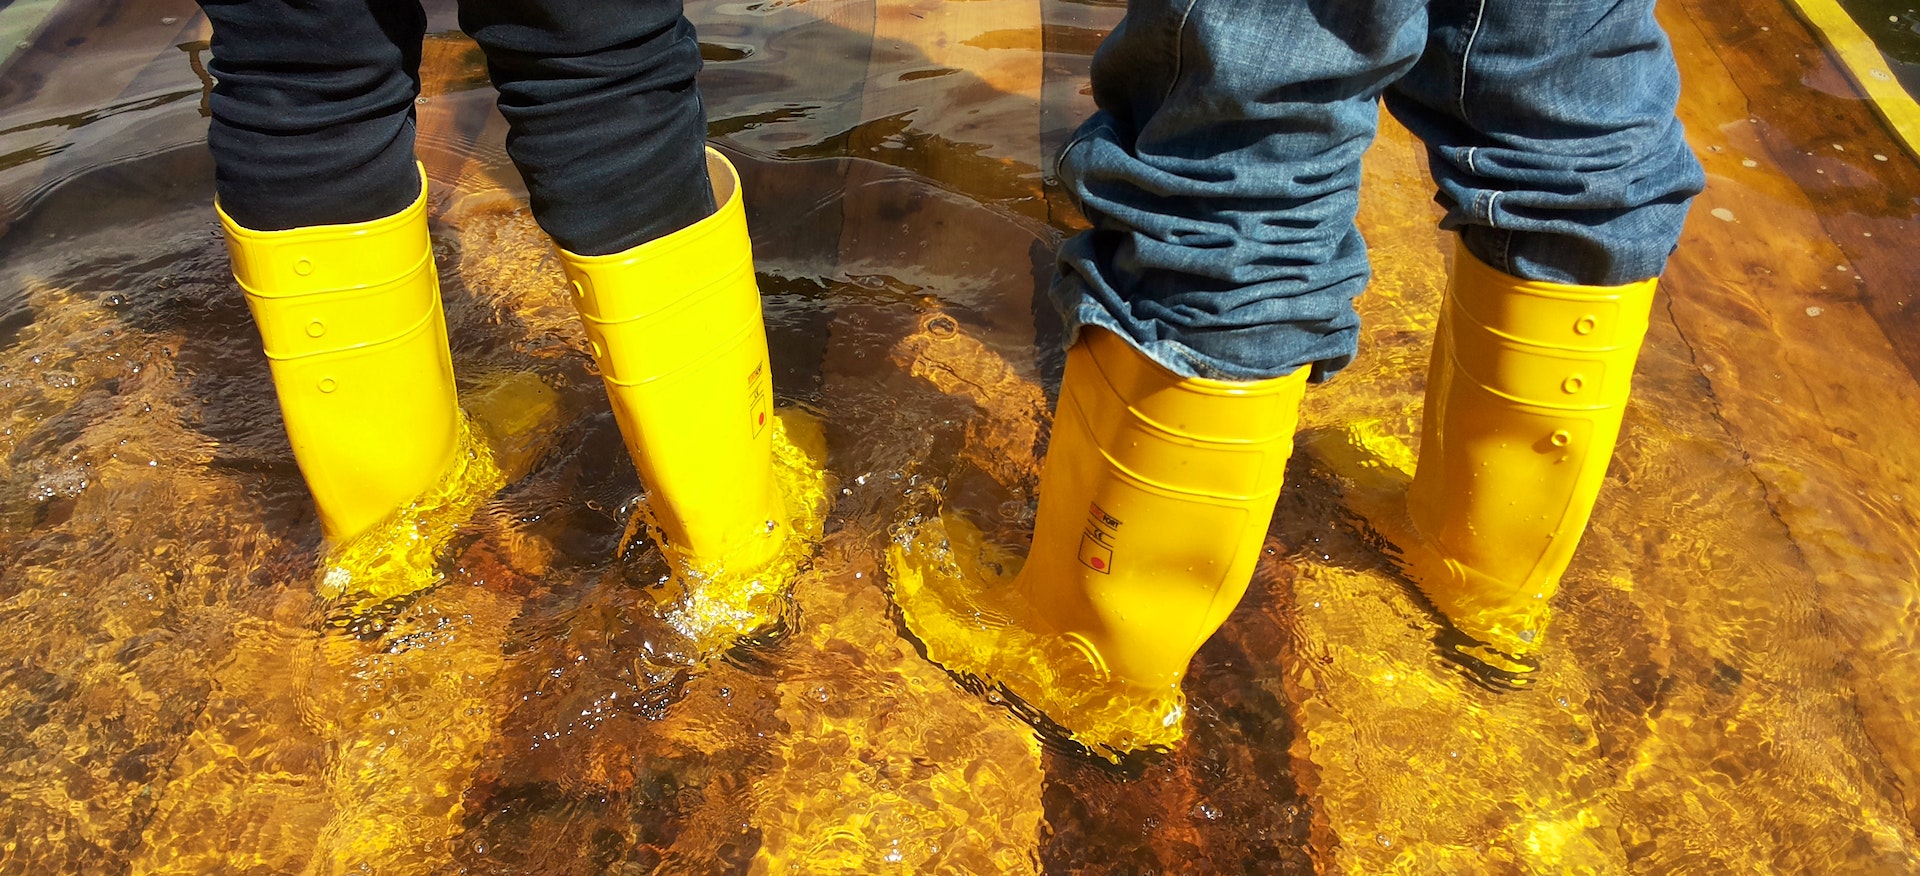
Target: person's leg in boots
607, 128
1552, 137
324, 210
1220, 177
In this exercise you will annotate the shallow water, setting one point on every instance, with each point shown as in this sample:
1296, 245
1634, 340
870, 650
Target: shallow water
1730, 683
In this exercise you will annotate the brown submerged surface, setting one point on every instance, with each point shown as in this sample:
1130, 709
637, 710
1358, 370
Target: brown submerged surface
1731, 683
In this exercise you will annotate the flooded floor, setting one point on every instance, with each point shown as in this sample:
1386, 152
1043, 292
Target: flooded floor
1731, 683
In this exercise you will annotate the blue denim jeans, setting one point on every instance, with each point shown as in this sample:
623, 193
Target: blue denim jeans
313, 112
1222, 169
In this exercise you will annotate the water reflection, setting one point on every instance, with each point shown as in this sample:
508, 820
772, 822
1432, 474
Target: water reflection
1729, 684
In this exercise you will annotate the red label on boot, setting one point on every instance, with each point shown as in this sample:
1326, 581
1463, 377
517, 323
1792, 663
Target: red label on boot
1095, 555
1097, 542
758, 400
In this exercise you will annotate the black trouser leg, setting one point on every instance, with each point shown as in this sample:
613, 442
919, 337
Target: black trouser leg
605, 121
313, 109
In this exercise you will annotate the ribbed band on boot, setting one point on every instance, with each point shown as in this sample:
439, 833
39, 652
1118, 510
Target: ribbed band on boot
336, 287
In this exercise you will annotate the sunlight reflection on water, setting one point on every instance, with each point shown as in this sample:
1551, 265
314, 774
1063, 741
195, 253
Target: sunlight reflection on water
1729, 681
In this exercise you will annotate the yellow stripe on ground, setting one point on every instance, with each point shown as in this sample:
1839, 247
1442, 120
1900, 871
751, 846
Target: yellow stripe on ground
1862, 61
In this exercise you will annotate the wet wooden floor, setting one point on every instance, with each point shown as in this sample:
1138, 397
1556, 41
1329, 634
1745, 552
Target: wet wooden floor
1732, 682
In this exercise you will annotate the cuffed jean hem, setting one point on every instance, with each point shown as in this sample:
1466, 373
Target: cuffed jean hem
1220, 175
1079, 310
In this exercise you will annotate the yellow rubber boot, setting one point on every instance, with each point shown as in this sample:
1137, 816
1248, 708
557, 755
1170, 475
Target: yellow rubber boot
675, 326
351, 321
1525, 395
1155, 497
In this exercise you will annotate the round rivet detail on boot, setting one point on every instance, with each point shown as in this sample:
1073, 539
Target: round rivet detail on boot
1573, 384
1586, 325
1561, 438
327, 384
303, 267
315, 329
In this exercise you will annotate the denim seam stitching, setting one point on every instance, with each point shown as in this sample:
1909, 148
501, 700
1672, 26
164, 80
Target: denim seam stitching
1466, 55
1179, 41
1060, 159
